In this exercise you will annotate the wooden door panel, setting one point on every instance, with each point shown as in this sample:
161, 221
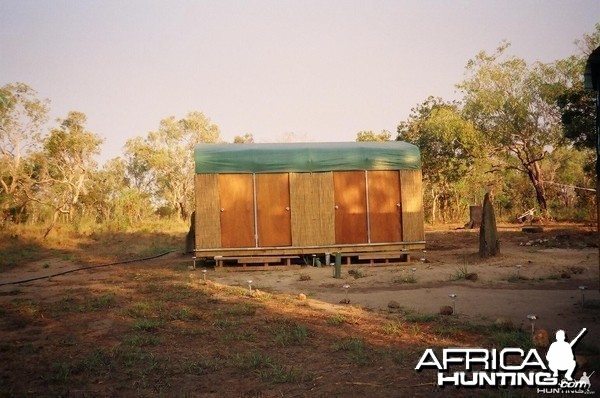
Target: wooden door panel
351, 207
236, 195
273, 207
385, 210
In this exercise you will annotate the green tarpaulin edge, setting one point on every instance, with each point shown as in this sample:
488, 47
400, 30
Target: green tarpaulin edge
305, 157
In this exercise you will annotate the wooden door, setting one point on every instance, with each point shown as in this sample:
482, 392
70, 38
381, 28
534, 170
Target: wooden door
236, 195
350, 207
273, 207
385, 210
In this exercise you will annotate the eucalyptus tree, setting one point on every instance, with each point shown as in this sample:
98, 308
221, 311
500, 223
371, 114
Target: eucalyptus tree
513, 104
164, 159
22, 117
371, 136
247, 138
69, 152
449, 146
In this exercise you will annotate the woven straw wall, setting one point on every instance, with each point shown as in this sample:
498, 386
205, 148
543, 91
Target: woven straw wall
412, 206
208, 218
312, 206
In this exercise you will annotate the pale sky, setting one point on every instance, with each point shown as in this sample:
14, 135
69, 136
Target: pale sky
321, 69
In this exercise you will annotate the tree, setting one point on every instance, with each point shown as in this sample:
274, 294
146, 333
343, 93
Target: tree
247, 138
513, 105
370, 136
69, 150
22, 116
449, 146
164, 159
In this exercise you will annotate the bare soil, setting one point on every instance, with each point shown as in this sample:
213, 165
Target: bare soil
155, 327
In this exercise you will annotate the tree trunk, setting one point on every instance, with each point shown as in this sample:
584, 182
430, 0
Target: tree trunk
190, 239
535, 176
54, 219
433, 206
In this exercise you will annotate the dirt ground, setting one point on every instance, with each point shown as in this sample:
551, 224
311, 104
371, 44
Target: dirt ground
156, 328
554, 265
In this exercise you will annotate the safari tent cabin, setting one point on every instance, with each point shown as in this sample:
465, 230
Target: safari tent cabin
307, 198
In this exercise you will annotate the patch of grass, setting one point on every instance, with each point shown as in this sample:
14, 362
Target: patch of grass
145, 309
239, 336
201, 366
99, 361
336, 319
446, 330
460, 274
148, 325
278, 374
241, 309
61, 372
177, 293
191, 332
392, 328
99, 303
27, 307
420, 318
512, 278
224, 324
46, 265
357, 273
16, 250
184, 314
304, 277
290, 335
398, 357
141, 340
511, 337
152, 288
134, 359
355, 349
72, 304
67, 257
155, 249
264, 366
239, 291
250, 361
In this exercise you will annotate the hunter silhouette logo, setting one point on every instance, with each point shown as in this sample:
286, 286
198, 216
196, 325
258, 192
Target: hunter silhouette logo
510, 366
560, 355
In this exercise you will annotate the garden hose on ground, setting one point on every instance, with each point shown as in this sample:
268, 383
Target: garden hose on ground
87, 267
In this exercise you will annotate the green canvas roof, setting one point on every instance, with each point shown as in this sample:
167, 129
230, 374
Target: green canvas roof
305, 157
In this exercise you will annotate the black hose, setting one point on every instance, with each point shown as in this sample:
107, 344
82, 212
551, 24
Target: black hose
88, 267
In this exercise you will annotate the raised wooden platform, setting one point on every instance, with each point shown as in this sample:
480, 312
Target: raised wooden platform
376, 258
254, 263
247, 263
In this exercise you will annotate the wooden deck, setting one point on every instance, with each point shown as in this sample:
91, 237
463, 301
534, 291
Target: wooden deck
272, 262
376, 258
251, 263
